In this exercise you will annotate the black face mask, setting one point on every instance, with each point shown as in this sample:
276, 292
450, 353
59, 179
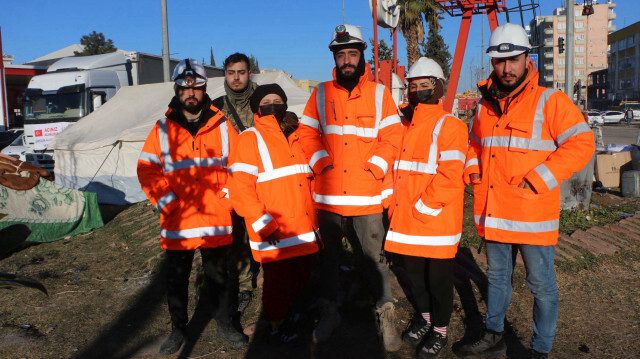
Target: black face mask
421, 96
278, 110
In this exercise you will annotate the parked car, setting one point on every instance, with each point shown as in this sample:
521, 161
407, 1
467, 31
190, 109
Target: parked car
613, 117
16, 149
594, 118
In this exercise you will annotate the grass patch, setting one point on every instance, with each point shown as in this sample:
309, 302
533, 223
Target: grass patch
583, 219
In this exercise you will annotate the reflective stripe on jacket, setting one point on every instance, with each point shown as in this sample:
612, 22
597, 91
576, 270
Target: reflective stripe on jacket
184, 177
541, 137
270, 188
428, 198
359, 134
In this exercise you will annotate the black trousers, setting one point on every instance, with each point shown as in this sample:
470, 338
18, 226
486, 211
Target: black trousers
432, 286
214, 262
370, 233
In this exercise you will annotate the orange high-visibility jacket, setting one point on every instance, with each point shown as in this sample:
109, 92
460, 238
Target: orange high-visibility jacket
428, 197
184, 177
270, 188
542, 137
359, 133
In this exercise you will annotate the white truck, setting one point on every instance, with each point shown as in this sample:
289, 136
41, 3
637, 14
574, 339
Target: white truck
73, 87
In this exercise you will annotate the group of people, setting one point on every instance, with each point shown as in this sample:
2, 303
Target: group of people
242, 180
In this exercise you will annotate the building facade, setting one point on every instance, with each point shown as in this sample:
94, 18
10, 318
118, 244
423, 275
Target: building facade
624, 64
590, 45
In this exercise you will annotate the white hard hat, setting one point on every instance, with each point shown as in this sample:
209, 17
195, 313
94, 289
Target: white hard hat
508, 40
189, 73
425, 67
347, 34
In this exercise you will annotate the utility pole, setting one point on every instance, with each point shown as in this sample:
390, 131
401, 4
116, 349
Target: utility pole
587, 11
569, 53
165, 42
482, 49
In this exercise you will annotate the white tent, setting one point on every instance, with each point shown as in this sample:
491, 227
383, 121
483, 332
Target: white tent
99, 153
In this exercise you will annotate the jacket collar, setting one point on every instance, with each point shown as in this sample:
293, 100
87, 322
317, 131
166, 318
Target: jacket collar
174, 113
427, 113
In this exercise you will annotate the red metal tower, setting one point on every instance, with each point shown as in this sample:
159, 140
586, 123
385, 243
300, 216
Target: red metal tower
466, 9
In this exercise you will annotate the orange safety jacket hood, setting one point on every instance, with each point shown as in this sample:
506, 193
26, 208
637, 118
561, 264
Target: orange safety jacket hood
540, 137
270, 188
184, 176
358, 134
428, 198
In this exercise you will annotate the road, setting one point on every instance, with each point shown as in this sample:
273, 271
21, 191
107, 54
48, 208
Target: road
620, 134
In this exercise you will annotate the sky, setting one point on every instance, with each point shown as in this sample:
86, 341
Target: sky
290, 35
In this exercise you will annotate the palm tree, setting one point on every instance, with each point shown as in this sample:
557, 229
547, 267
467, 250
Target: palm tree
411, 23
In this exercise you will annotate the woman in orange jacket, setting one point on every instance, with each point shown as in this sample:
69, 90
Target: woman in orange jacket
270, 188
427, 203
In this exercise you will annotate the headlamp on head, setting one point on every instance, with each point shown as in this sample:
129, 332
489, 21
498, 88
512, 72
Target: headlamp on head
506, 47
346, 34
342, 35
189, 73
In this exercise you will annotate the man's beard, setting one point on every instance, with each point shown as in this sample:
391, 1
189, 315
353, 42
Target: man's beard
508, 88
191, 107
350, 76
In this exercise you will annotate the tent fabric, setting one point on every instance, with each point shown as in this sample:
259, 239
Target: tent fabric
99, 153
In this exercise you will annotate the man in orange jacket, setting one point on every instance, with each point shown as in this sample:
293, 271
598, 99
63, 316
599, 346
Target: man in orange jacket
525, 140
351, 133
183, 170
426, 206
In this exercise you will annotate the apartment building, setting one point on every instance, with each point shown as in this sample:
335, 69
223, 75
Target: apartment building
624, 64
590, 46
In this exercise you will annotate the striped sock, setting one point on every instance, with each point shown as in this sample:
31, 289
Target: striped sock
427, 317
441, 330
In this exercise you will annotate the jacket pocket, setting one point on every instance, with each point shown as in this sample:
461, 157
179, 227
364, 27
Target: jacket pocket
520, 137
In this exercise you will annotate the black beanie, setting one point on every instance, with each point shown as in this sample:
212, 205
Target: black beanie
263, 90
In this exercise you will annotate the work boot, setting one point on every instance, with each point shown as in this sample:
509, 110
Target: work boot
225, 330
244, 299
387, 322
491, 343
173, 343
432, 346
329, 321
418, 328
533, 354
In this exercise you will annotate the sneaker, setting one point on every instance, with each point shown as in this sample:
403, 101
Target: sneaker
225, 330
173, 343
432, 346
329, 320
244, 299
387, 321
491, 343
533, 354
417, 329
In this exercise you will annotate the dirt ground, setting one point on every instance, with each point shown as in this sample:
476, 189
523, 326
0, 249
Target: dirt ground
107, 301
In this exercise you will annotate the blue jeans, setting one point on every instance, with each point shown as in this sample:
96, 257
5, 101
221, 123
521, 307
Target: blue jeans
541, 279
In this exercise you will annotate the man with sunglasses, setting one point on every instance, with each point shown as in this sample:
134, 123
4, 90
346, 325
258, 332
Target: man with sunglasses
183, 170
524, 141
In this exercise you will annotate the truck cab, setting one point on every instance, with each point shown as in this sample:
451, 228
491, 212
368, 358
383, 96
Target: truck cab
65, 94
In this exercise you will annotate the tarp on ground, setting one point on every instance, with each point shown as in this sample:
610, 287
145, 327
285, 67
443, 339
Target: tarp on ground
51, 212
99, 153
